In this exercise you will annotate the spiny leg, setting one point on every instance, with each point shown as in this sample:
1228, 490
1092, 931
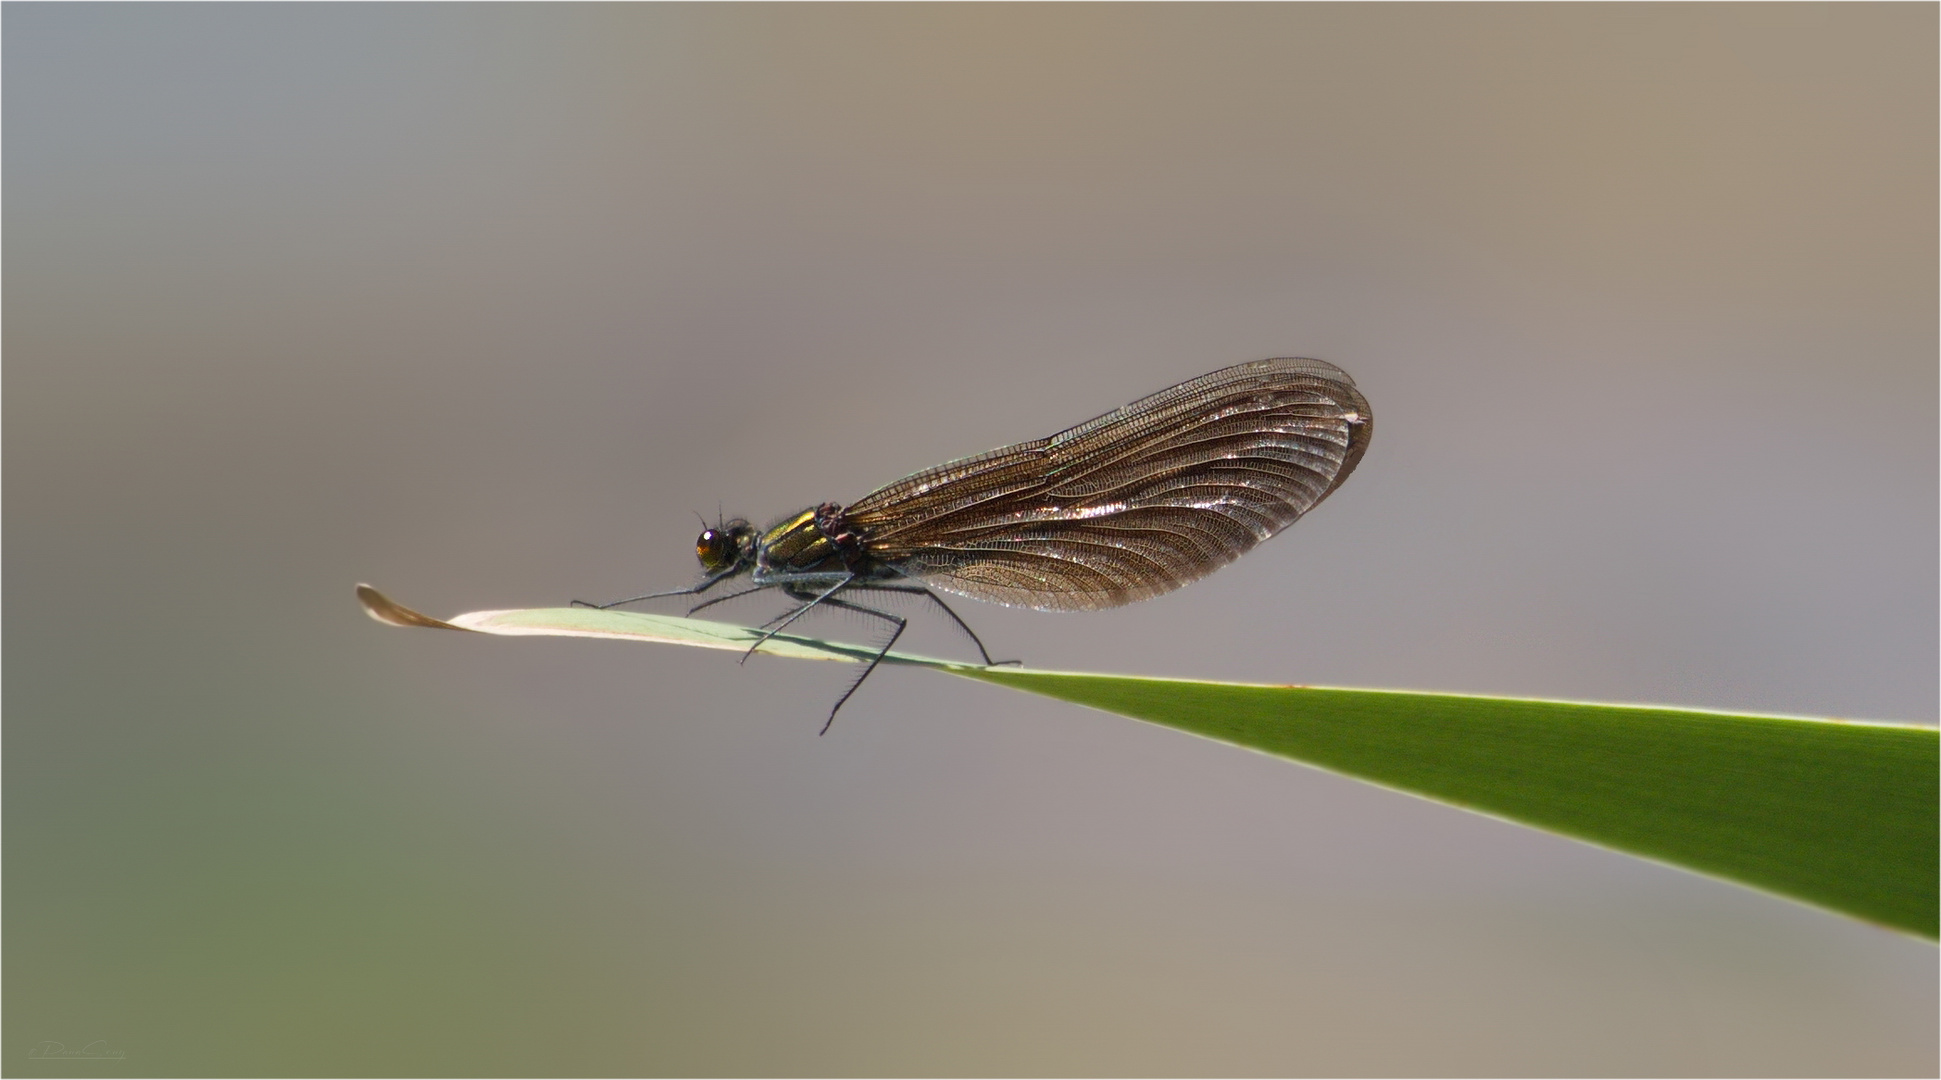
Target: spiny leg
692, 591
900, 622
730, 596
766, 623
794, 615
954, 617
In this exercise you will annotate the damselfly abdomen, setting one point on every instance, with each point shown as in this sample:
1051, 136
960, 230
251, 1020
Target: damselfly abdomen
1133, 504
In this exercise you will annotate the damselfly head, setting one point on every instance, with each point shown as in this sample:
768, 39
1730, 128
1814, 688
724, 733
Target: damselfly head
725, 545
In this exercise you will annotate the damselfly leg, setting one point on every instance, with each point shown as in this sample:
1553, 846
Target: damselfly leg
919, 590
813, 600
916, 590
901, 624
730, 596
692, 590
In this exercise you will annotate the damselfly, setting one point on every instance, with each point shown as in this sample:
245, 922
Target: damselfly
1133, 504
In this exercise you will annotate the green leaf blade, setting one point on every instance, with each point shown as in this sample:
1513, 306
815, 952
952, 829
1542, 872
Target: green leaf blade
1837, 814
1841, 815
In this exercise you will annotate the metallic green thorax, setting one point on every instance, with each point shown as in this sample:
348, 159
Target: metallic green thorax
796, 546
816, 544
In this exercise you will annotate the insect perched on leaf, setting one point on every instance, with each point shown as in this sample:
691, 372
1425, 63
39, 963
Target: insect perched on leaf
1128, 506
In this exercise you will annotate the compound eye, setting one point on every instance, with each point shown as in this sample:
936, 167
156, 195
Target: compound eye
715, 549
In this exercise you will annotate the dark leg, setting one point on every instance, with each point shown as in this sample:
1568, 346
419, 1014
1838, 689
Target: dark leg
765, 624
954, 617
730, 596
794, 615
873, 661
694, 591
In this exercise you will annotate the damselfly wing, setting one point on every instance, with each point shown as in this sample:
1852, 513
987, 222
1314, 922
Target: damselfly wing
1123, 507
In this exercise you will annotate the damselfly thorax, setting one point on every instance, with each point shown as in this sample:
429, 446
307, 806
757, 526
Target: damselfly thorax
1124, 507
818, 541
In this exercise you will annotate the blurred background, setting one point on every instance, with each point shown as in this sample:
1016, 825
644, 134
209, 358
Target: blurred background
483, 304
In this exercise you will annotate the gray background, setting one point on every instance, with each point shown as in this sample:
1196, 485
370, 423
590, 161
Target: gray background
482, 304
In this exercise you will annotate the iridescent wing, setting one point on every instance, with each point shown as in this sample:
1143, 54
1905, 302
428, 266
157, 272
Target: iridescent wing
1133, 504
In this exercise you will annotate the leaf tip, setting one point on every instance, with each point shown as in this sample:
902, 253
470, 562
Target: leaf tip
391, 613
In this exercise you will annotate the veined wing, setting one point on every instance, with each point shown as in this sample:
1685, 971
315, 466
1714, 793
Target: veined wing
1133, 504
